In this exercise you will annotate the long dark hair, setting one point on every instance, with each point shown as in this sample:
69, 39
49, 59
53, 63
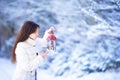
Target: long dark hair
27, 28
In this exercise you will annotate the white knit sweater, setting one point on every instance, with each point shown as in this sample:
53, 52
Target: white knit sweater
27, 59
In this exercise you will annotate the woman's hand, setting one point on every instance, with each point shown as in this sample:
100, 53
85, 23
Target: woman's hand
44, 54
47, 32
51, 29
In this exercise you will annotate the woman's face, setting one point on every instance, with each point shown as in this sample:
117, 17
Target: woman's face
35, 34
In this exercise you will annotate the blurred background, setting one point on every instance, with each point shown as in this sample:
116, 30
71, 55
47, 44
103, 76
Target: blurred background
87, 31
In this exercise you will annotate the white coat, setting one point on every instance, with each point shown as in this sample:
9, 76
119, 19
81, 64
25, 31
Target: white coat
27, 60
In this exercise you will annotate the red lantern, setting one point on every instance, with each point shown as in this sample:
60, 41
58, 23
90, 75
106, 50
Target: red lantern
51, 41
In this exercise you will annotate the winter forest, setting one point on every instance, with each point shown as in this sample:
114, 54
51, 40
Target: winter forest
87, 31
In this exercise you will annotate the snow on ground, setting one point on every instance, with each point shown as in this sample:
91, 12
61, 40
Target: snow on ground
7, 69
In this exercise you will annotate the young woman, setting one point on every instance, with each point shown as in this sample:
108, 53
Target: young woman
26, 51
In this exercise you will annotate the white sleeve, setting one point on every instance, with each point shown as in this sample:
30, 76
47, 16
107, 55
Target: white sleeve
44, 39
24, 62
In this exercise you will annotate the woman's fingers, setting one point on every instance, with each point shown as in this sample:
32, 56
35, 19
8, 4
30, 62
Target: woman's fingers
43, 55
